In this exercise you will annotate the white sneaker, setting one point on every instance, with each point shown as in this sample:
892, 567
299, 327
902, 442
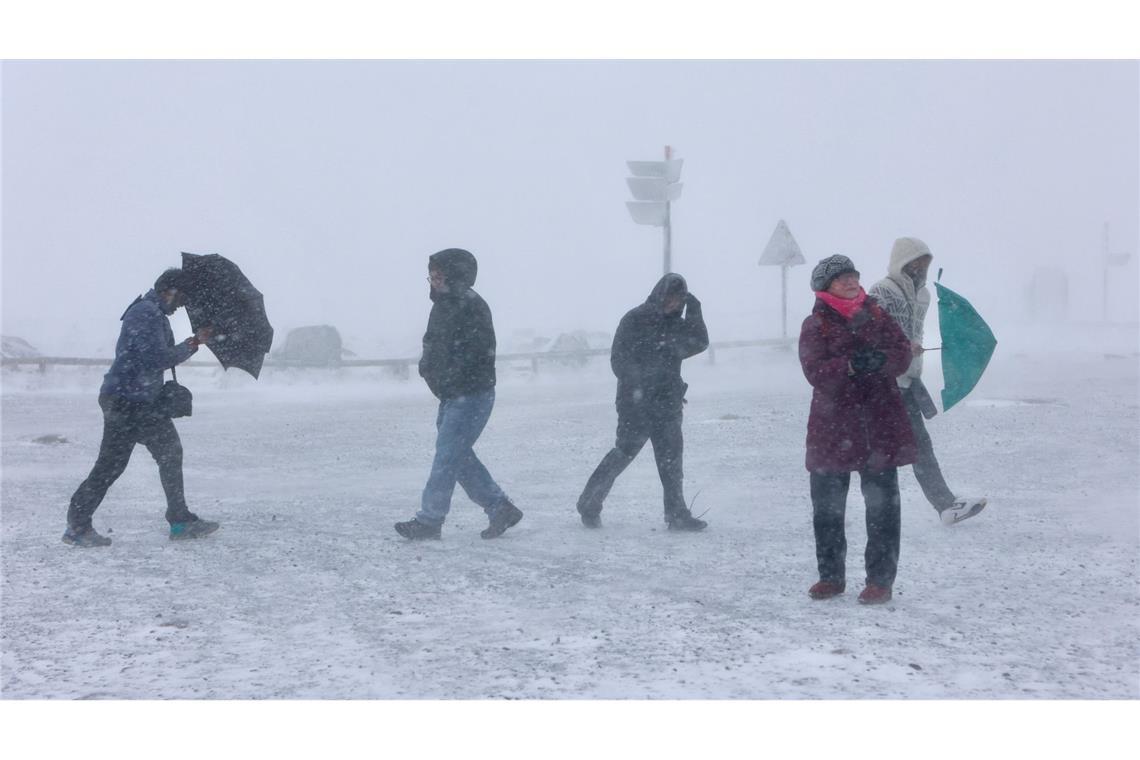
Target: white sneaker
963, 509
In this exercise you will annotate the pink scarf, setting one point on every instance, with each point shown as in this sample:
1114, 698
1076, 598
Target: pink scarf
845, 306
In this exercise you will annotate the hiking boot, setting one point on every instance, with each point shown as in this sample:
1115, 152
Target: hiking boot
686, 523
416, 530
873, 594
193, 529
507, 516
963, 509
84, 537
591, 520
591, 512
826, 589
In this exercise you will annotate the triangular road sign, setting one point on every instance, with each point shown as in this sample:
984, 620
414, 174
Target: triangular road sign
782, 248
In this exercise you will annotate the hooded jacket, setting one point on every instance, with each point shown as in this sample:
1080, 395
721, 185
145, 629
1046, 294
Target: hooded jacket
144, 351
649, 347
905, 299
857, 422
459, 344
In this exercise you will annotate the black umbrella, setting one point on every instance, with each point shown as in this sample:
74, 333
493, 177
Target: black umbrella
219, 296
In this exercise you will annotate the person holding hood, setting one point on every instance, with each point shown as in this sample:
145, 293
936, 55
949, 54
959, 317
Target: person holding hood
904, 295
129, 400
458, 364
650, 343
851, 350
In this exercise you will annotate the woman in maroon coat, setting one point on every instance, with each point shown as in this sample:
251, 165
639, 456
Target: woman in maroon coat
851, 350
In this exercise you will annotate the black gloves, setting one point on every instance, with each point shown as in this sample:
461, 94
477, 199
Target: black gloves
867, 360
692, 302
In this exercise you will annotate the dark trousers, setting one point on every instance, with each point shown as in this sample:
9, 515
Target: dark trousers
926, 469
829, 506
126, 423
633, 430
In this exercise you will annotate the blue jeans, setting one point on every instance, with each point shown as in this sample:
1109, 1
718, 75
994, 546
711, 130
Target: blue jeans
459, 423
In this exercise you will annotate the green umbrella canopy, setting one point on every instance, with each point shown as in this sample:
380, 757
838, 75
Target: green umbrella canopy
967, 345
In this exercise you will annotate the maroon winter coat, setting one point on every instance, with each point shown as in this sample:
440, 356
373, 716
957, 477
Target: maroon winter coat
856, 423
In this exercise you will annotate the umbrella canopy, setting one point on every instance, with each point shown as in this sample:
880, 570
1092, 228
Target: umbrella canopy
967, 345
218, 295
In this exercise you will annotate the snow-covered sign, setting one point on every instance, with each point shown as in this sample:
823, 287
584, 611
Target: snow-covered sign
654, 184
654, 188
782, 248
670, 170
647, 212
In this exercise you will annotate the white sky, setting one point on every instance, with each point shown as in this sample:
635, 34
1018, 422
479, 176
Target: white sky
329, 183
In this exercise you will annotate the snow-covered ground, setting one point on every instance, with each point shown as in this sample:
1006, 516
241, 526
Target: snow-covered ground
307, 592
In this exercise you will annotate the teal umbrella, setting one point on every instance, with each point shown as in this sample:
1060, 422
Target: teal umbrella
967, 345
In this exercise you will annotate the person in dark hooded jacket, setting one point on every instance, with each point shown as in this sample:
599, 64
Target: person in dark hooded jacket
458, 364
650, 343
128, 397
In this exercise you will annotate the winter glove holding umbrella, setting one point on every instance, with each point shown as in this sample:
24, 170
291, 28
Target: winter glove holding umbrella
225, 308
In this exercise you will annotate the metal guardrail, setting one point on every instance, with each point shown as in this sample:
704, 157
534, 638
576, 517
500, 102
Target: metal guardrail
401, 365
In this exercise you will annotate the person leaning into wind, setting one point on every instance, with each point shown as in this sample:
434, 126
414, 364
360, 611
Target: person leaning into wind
458, 364
851, 350
903, 293
650, 343
131, 414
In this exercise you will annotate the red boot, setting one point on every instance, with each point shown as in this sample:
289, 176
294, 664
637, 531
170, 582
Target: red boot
873, 594
826, 589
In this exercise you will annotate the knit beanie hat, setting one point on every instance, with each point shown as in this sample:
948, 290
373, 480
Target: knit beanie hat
828, 269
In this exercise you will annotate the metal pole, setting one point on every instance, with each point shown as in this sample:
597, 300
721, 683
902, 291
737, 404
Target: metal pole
1104, 265
668, 228
784, 300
